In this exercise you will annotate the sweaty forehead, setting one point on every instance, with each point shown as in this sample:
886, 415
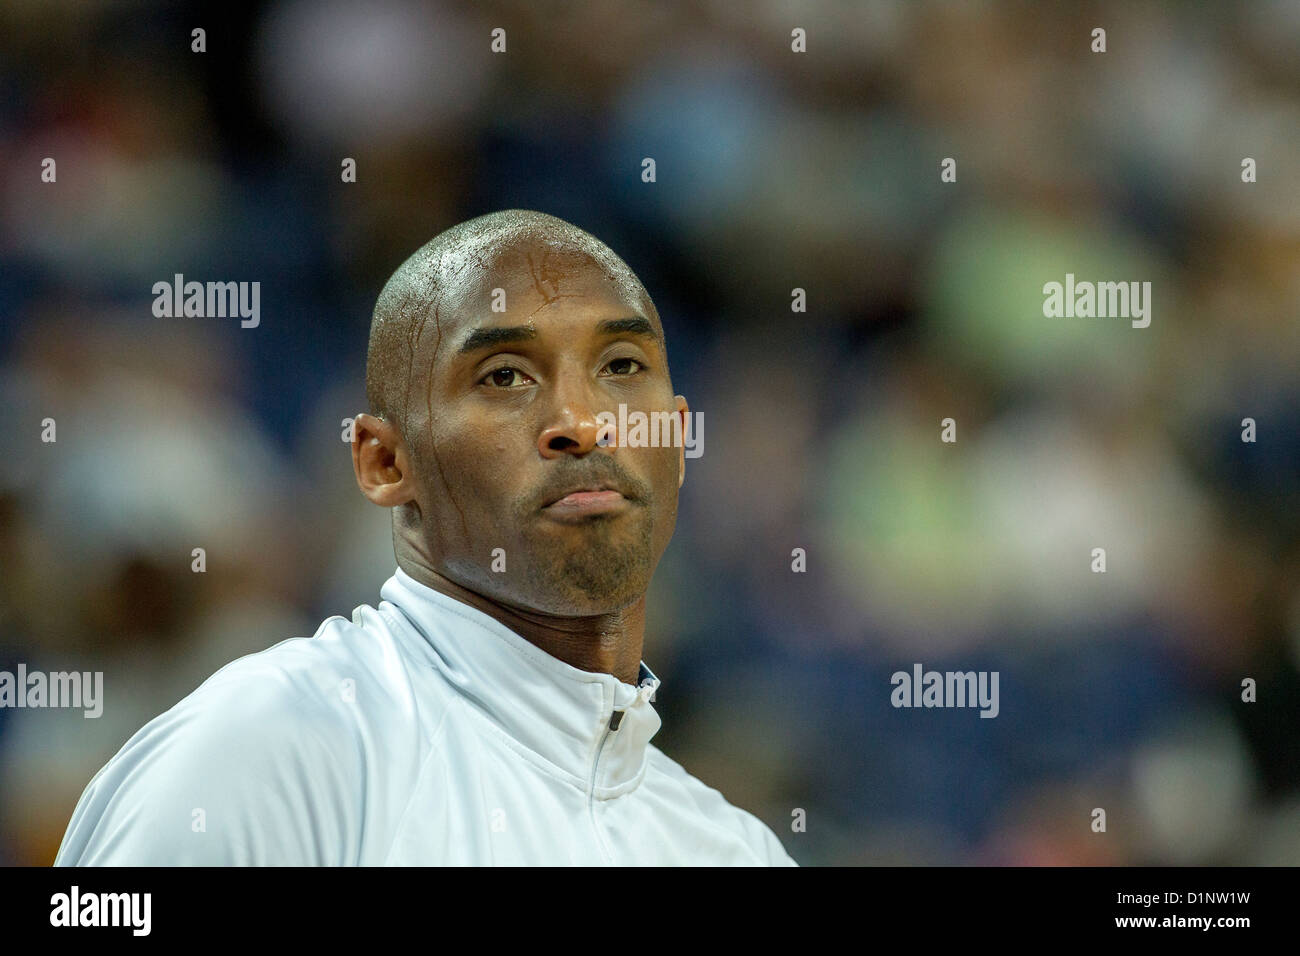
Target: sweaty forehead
531, 276
531, 273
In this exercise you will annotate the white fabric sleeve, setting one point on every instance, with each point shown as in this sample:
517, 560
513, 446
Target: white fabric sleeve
246, 771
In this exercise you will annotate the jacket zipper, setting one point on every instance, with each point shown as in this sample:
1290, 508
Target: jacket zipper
614, 720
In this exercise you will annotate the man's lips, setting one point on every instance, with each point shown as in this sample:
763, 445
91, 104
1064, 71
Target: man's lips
593, 486
580, 504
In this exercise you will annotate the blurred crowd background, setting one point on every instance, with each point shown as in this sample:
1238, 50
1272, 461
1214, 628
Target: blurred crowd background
775, 170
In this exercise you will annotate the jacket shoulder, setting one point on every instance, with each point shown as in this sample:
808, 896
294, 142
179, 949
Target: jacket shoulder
264, 763
710, 803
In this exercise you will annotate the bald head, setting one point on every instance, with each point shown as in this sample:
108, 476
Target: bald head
419, 300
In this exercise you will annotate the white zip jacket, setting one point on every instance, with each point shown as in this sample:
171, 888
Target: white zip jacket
421, 732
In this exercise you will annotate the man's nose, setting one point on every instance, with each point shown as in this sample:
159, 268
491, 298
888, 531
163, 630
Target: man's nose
574, 428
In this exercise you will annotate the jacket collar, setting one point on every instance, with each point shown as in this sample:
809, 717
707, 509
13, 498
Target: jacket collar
557, 711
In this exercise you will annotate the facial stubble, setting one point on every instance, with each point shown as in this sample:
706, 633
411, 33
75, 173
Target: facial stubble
601, 564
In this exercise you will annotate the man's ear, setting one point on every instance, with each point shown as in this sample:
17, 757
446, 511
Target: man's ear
381, 462
685, 411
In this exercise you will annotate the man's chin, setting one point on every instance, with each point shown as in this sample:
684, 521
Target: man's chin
566, 598
601, 581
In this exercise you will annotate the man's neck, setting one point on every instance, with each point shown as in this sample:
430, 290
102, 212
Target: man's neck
602, 644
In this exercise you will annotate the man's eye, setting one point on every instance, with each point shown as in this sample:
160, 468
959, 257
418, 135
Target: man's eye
618, 362
502, 377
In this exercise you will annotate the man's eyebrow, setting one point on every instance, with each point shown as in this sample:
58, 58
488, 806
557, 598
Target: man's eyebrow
486, 338
630, 326
483, 338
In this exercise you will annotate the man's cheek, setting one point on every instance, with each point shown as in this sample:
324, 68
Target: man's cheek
666, 466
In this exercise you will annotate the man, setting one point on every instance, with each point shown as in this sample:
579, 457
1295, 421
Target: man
493, 708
